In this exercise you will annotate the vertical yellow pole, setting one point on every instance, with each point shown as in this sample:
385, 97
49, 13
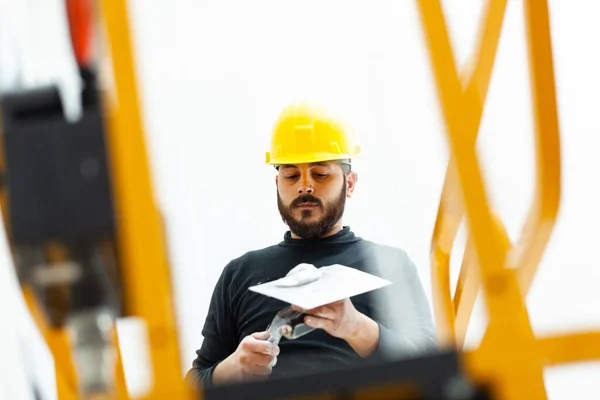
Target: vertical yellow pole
527, 253
146, 278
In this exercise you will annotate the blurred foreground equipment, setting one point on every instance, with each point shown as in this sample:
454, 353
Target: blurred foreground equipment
84, 229
88, 245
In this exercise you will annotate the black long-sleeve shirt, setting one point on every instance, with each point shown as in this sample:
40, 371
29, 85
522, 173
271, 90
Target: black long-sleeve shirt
400, 309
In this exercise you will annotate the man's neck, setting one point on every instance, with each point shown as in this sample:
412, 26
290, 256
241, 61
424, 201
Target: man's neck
338, 227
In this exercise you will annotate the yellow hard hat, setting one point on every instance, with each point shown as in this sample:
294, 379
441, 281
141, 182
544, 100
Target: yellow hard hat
306, 133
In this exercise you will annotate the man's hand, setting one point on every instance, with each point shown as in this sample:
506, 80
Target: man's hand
340, 319
254, 358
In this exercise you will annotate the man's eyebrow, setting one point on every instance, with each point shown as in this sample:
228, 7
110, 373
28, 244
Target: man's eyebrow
315, 164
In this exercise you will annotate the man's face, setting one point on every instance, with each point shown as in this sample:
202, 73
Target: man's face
311, 197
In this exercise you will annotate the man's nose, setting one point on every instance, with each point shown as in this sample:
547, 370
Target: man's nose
306, 186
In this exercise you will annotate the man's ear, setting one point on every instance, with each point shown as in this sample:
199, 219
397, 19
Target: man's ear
351, 180
276, 180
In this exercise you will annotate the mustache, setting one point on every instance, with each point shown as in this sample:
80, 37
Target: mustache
306, 198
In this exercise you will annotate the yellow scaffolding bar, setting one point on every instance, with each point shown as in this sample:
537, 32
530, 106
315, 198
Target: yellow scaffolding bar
451, 209
147, 281
510, 358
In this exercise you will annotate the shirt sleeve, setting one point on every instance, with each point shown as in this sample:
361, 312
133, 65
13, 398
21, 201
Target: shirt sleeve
219, 332
403, 313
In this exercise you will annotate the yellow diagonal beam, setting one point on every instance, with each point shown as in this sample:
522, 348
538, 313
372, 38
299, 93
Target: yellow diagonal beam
469, 282
527, 252
451, 210
489, 252
58, 344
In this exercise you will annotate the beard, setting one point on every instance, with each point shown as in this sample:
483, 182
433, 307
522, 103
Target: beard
303, 227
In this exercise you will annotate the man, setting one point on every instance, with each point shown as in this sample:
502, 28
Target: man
311, 151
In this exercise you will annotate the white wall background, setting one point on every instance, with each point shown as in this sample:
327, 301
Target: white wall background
215, 74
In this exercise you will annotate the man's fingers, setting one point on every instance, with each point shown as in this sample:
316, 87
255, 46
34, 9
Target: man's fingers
261, 360
322, 312
337, 303
261, 335
261, 347
267, 348
325, 312
312, 311
318, 323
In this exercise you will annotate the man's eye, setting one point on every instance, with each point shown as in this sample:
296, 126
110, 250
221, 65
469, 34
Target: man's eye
290, 177
320, 176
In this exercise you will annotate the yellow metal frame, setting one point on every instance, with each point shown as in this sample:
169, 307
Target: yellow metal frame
142, 249
452, 317
147, 280
510, 358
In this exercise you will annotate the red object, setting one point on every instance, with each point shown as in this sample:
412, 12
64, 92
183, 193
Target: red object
79, 13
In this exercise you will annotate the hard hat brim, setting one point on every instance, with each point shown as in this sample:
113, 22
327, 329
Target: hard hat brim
307, 159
